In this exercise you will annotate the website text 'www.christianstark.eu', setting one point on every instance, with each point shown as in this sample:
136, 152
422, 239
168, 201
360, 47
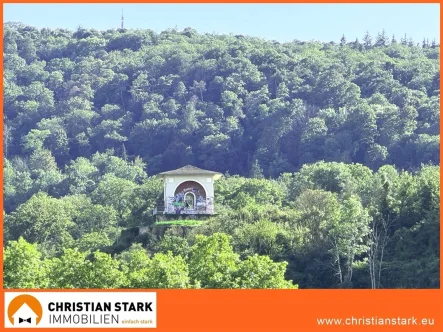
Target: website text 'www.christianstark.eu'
377, 321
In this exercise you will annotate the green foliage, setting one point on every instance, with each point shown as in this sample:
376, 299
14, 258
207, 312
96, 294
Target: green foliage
167, 271
261, 272
135, 269
74, 270
22, 266
135, 264
109, 89
104, 272
347, 237
71, 270
338, 139
212, 261
263, 238
116, 193
251, 192
174, 244
44, 220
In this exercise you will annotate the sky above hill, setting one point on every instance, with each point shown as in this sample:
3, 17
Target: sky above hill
281, 22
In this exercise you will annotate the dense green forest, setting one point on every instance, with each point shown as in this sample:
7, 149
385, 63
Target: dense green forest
330, 153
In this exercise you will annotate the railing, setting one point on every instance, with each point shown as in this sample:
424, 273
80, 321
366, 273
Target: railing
173, 207
159, 210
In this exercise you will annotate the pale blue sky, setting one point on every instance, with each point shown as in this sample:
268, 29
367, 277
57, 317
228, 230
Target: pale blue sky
282, 22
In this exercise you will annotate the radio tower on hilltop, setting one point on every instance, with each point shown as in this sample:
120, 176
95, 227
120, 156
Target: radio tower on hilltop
123, 20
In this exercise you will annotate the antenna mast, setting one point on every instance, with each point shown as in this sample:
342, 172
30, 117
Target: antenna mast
123, 20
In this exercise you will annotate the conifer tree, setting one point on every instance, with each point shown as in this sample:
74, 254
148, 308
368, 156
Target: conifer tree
382, 39
124, 153
367, 40
404, 40
256, 170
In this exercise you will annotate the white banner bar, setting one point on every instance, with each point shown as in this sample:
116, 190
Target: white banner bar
81, 309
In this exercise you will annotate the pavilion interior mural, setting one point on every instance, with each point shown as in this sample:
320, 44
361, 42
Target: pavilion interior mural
190, 198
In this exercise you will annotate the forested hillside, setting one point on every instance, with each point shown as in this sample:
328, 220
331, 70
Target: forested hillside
330, 153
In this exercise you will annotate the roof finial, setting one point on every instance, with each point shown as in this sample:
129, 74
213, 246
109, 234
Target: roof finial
123, 20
